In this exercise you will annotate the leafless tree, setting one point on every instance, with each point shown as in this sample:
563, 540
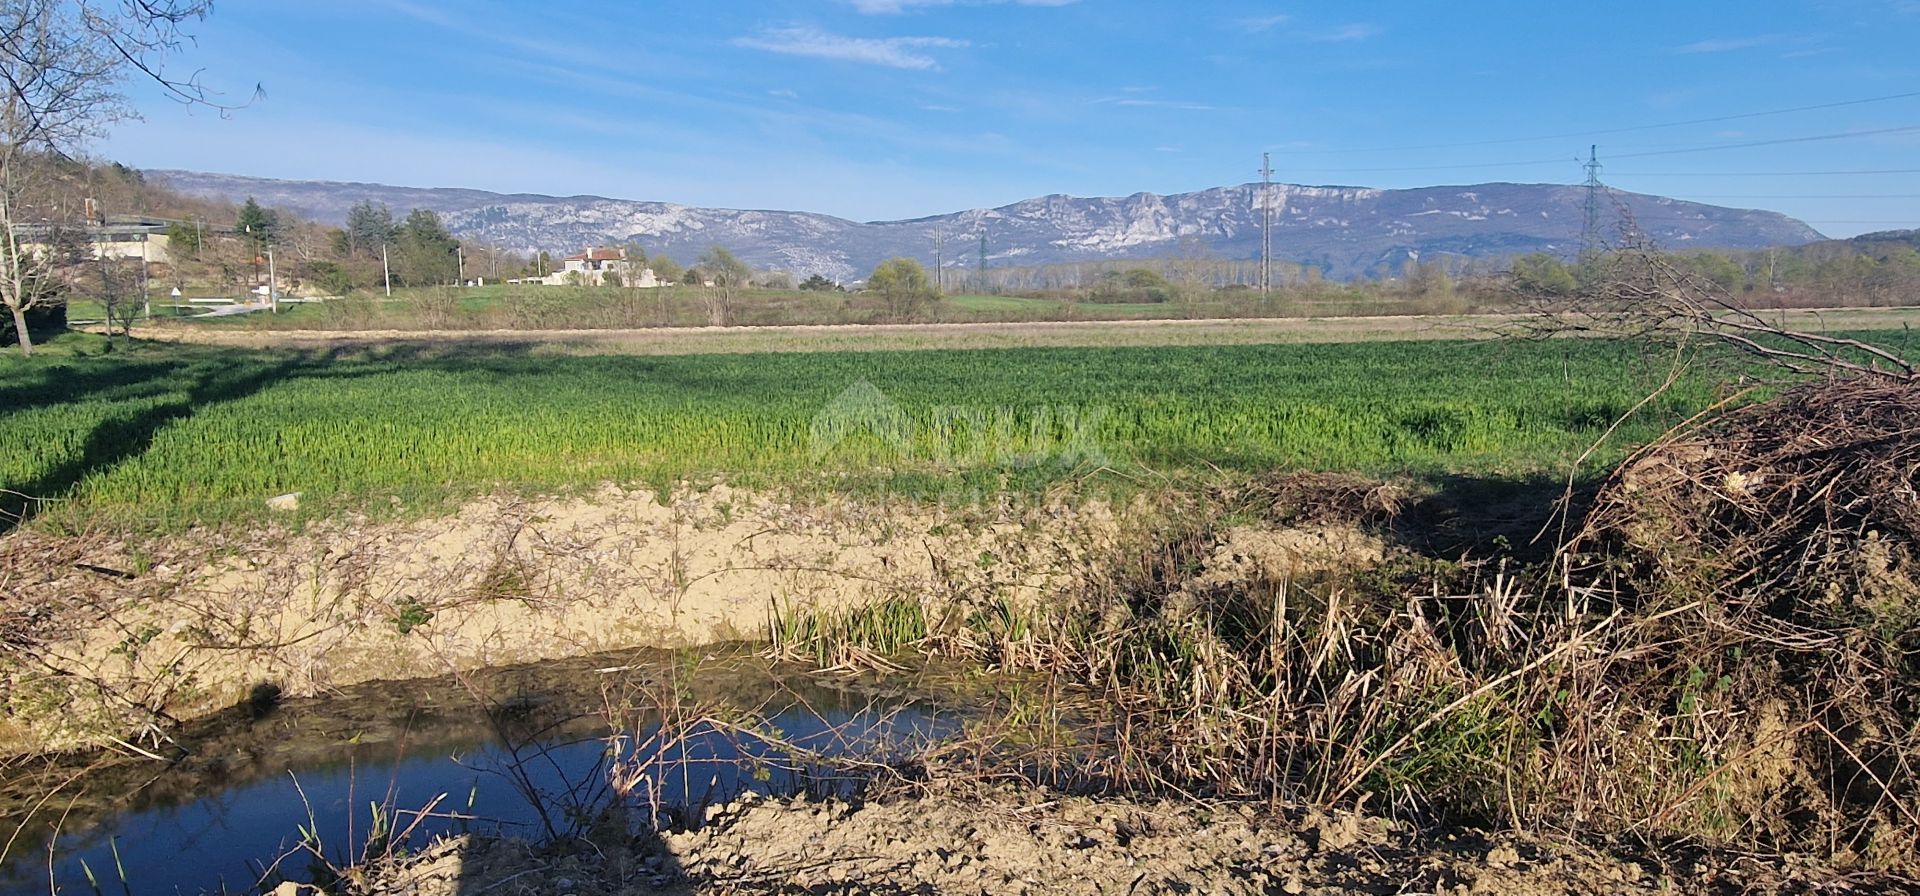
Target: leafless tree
1191, 268
64, 65
1637, 292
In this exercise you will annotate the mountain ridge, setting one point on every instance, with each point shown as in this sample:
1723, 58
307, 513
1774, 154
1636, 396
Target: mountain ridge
1342, 231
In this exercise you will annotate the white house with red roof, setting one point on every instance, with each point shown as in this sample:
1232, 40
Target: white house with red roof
600, 266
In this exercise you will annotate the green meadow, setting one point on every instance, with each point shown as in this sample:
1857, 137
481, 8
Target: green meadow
180, 434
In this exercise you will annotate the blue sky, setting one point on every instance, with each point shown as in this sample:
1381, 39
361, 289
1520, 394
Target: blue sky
875, 109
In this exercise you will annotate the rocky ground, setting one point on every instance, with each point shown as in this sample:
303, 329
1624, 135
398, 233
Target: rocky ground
1032, 842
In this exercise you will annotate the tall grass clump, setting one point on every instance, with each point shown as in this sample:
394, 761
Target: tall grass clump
862, 636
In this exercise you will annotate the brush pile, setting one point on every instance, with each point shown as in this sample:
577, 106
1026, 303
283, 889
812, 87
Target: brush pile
1764, 567
1805, 507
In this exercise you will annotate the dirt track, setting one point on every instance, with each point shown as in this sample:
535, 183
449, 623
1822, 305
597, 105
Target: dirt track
897, 337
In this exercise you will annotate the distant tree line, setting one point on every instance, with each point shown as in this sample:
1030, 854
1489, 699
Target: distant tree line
419, 249
1875, 269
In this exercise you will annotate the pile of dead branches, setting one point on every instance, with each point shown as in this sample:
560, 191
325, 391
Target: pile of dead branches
1761, 684
1805, 507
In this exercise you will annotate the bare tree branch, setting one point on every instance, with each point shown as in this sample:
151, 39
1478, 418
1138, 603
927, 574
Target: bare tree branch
64, 65
1637, 292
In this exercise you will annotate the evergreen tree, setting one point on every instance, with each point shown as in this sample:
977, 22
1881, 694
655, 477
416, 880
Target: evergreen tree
425, 250
258, 226
369, 226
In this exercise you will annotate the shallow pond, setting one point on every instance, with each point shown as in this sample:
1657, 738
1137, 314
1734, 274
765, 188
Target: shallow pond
526, 751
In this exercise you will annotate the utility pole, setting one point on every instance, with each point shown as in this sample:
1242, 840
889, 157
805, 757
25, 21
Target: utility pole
1590, 233
939, 273
460, 257
256, 255
273, 292
107, 297
983, 256
1266, 224
385, 271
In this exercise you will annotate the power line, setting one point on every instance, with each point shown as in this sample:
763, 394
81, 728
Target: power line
1805, 196
1640, 216
1432, 167
1686, 150
1843, 135
1718, 147
1625, 130
1862, 172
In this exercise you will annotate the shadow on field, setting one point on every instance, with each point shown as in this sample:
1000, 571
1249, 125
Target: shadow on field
118, 438
174, 386
1469, 514
613, 859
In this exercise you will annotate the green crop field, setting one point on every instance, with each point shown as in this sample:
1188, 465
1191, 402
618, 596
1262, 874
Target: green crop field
169, 435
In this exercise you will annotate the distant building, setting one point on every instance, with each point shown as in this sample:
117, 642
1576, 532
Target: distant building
134, 237
599, 266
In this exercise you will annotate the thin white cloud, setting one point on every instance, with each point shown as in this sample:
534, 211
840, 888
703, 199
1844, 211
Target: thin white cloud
536, 48
789, 117
1728, 44
1136, 96
1137, 102
892, 52
1257, 24
895, 7
1343, 33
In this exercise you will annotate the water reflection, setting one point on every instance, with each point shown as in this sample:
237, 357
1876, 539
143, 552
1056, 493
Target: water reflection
525, 752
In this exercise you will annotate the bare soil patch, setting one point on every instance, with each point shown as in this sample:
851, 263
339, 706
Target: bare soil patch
117, 636
110, 638
1033, 842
